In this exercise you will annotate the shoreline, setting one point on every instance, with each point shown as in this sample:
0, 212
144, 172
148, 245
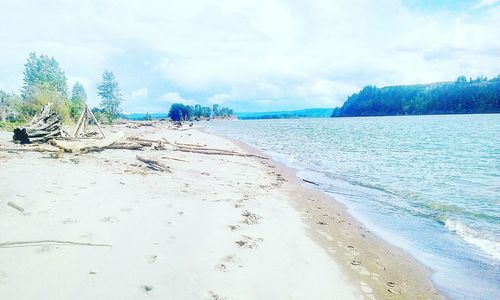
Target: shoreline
217, 227
356, 240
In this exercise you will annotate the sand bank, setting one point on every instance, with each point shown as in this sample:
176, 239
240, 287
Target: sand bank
217, 227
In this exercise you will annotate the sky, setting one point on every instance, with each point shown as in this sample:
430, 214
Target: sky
250, 55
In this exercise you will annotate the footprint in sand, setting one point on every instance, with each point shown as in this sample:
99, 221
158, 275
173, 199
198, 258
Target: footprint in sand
352, 250
221, 267
109, 219
87, 235
227, 262
46, 248
250, 218
69, 221
3, 276
126, 209
249, 242
214, 296
147, 288
151, 258
234, 227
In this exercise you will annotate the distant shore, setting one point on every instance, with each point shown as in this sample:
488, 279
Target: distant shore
217, 227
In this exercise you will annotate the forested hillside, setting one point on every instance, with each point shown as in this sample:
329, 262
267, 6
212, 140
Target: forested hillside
460, 97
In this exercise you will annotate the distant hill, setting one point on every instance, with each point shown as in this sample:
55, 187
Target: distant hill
303, 113
459, 97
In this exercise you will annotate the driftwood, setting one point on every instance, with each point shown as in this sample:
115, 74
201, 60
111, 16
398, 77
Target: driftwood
144, 140
87, 145
189, 145
86, 117
213, 151
154, 164
42, 242
173, 158
309, 181
126, 146
13, 205
31, 149
45, 125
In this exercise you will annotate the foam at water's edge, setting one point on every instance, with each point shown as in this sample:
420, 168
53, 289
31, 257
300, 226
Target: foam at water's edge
474, 238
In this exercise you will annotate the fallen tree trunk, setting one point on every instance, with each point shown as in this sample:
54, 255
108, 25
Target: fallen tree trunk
217, 152
44, 242
190, 145
126, 146
31, 149
85, 146
45, 125
154, 164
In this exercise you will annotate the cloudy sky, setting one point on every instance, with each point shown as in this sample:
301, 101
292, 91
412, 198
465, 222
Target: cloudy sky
251, 55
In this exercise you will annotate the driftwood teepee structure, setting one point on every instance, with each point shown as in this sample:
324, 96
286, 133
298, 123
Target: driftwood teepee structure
84, 121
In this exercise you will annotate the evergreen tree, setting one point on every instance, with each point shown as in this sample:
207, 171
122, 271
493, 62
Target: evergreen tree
77, 100
111, 95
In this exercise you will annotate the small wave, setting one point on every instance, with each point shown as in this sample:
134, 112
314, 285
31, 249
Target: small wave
474, 238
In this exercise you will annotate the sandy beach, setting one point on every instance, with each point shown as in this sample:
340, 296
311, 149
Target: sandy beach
215, 227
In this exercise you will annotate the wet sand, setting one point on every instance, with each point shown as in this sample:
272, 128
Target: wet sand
217, 227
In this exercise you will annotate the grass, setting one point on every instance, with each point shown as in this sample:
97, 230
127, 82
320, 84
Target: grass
9, 125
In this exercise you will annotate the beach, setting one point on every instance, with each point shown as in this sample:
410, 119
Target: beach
214, 227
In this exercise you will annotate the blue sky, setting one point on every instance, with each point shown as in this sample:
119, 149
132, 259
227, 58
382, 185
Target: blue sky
251, 55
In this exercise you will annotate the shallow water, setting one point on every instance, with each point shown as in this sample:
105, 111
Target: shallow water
429, 184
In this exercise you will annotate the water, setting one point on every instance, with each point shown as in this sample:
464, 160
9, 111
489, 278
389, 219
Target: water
429, 184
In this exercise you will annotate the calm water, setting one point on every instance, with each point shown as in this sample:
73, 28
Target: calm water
429, 184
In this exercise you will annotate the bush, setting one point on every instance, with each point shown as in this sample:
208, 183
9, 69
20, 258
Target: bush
40, 97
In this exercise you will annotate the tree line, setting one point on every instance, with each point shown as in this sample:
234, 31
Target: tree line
181, 112
44, 81
463, 96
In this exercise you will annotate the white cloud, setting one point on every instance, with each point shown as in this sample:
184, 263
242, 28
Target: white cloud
174, 97
139, 94
300, 53
483, 3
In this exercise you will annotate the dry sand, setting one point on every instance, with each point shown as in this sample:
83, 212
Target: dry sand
217, 227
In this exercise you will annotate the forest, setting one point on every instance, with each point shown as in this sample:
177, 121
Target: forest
45, 81
473, 96
181, 112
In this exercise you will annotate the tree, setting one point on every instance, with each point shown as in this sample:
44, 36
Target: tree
216, 110
461, 79
111, 95
43, 82
206, 111
40, 97
77, 100
43, 71
179, 112
198, 111
8, 106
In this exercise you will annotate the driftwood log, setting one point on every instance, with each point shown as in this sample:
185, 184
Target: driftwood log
45, 125
154, 164
48, 242
87, 145
214, 151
